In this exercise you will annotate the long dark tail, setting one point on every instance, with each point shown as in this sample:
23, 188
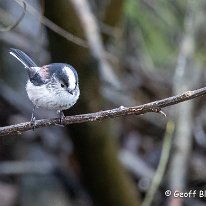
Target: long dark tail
22, 57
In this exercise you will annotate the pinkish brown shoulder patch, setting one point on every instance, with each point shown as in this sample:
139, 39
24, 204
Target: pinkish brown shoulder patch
44, 72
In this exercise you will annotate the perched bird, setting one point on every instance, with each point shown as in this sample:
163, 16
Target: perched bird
53, 86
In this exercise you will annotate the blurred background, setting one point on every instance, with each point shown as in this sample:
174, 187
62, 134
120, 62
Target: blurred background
126, 53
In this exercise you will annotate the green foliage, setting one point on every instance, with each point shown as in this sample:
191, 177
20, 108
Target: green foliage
159, 24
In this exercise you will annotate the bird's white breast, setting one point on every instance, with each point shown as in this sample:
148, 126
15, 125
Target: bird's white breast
43, 97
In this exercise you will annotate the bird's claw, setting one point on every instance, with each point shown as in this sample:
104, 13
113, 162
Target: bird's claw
33, 119
33, 122
61, 117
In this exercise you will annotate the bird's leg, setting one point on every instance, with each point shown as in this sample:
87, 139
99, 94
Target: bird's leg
33, 119
61, 114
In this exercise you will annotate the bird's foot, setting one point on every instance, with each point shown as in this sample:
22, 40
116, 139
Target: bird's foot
33, 122
61, 117
33, 119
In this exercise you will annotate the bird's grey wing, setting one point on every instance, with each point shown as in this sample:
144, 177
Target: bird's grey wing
40, 75
35, 76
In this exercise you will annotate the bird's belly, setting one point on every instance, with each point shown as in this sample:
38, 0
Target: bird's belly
42, 97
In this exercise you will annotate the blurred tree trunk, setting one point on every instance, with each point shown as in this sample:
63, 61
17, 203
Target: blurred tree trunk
102, 173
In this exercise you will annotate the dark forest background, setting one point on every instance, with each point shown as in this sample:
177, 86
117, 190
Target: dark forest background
126, 53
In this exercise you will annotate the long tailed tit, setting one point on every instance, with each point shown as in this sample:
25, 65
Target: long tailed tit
53, 86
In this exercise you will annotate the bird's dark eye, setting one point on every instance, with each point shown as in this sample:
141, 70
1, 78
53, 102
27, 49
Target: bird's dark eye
62, 85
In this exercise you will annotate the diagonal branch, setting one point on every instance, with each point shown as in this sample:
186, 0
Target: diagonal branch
155, 106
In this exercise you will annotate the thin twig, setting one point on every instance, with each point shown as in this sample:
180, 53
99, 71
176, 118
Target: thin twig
54, 27
166, 147
10, 27
155, 106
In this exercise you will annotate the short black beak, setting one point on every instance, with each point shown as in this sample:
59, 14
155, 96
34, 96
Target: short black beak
70, 91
